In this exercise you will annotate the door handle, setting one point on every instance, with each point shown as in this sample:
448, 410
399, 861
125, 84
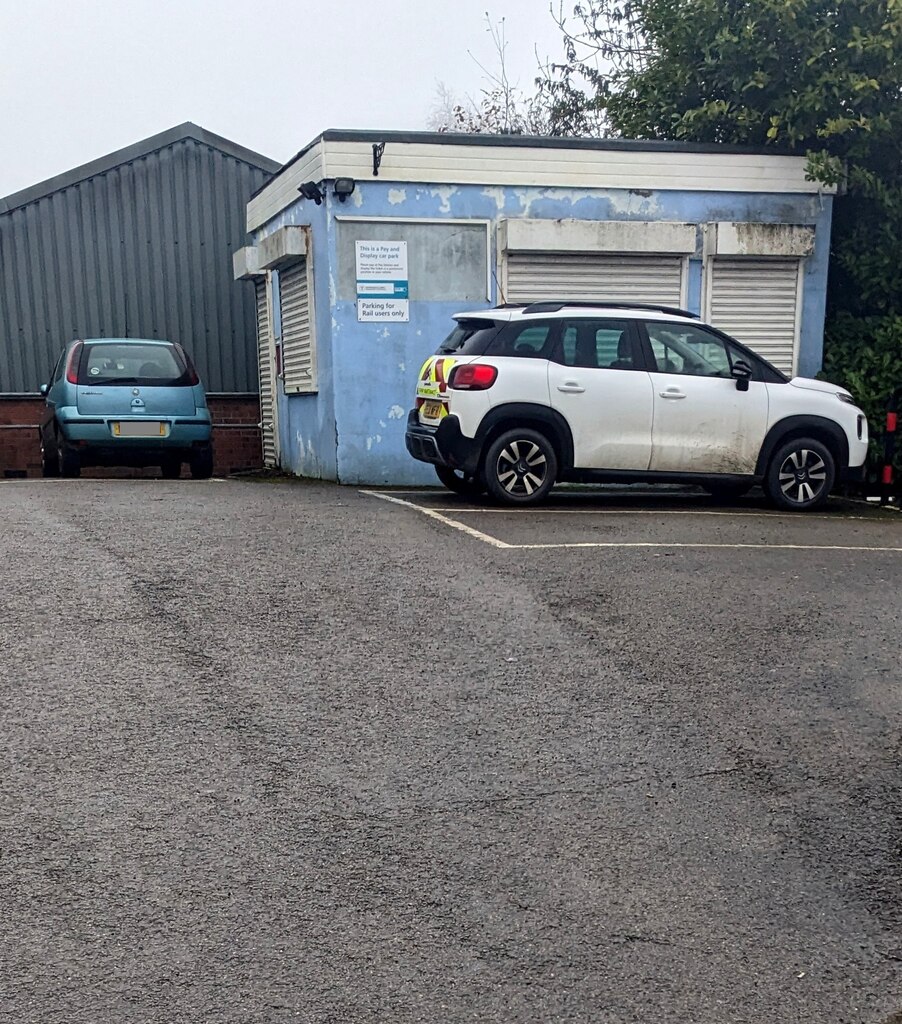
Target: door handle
672, 393
571, 387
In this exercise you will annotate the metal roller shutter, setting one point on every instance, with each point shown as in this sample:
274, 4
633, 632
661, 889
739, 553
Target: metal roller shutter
756, 302
267, 378
606, 278
297, 335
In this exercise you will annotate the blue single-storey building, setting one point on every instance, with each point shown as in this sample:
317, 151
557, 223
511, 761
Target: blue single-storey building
365, 244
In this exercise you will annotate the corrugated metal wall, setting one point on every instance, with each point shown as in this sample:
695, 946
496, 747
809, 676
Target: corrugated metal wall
143, 250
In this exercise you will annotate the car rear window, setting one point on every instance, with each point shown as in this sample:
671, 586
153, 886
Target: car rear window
149, 365
524, 338
469, 338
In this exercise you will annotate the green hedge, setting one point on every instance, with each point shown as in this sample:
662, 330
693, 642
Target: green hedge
864, 354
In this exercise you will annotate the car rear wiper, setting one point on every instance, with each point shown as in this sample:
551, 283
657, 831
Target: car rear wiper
110, 380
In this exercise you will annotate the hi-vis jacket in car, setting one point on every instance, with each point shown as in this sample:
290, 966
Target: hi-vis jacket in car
432, 386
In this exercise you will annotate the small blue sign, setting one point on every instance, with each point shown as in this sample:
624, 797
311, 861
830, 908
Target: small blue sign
383, 290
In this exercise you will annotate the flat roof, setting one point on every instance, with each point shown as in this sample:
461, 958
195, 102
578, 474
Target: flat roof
527, 142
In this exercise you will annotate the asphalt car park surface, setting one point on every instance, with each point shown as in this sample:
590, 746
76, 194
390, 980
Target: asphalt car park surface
284, 751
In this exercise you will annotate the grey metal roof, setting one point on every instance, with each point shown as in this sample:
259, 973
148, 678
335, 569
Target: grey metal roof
187, 130
138, 242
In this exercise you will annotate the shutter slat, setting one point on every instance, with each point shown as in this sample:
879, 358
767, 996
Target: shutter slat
267, 384
297, 330
603, 278
756, 302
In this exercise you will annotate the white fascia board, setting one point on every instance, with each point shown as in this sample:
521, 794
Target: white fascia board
532, 235
546, 167
287, 245
534, 167
246, 264
734, 238
282, 191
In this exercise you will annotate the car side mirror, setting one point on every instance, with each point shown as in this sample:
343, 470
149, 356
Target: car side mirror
742, 374
44, 389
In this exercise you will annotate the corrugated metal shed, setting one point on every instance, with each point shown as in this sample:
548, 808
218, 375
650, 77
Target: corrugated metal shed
138, 243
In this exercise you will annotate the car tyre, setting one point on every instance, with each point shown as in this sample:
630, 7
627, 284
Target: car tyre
520, 467
171, 469
50, 466
67, 461
201, 464
460, 483
800, 475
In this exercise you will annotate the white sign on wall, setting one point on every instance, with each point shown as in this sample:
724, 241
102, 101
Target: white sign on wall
382, 284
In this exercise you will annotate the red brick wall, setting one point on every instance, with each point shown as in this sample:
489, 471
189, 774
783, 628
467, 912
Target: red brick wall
236, 437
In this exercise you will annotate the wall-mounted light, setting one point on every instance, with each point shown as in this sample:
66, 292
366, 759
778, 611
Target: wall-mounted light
344, 187
310, 190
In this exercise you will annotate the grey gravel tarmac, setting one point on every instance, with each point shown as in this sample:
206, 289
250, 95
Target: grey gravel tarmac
278, 751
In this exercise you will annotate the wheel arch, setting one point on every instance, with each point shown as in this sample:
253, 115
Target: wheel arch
818, 428
537, 417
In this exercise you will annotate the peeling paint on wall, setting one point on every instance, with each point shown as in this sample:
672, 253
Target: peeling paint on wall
446, 193
633, 203
396, 412
527, 196
397, 195
498, 195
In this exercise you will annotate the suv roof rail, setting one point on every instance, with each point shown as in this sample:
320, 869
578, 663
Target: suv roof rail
510, 305
556, 306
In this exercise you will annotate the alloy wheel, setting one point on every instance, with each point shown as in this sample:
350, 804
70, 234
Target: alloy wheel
803, 475
521, 468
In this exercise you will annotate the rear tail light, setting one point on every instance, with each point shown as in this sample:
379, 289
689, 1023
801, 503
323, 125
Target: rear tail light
72, 365
472, 377
190, 371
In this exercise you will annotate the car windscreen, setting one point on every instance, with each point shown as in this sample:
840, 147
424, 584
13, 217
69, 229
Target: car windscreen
469, 338
149, 365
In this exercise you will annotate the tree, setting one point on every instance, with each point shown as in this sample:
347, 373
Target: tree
502, 107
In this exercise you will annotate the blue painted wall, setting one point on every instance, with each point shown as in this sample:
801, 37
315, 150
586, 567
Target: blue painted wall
353, 429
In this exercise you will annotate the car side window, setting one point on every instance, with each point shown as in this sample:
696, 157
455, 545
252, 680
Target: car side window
686, 349
598, 345
523, 339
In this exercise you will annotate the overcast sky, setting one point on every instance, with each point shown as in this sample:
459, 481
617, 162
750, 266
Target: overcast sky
80, 78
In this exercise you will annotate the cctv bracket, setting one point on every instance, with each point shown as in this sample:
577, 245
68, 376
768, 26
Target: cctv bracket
378, 150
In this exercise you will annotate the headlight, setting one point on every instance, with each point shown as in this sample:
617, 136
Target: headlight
843, 397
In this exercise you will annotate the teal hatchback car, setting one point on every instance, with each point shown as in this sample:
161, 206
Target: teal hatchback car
125, 402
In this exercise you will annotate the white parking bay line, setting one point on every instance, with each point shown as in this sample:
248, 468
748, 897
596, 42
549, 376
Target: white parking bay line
645, 512
494, 542
701, 544
484, 537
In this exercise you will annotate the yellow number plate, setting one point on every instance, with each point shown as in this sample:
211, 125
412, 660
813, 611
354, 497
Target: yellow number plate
432, 410
139, 428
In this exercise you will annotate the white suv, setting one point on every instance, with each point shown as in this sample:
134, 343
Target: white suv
520, 397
